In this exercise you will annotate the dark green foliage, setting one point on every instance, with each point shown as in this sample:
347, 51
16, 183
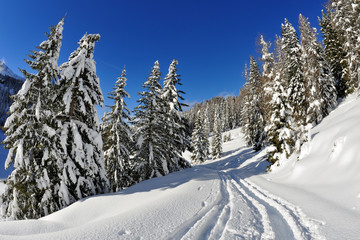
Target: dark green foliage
253, 116
199, 142
149, 136
175, 129
83, 171
31, 189
334, 52
118, 143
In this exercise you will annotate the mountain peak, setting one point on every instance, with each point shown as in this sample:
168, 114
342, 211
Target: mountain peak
6, 71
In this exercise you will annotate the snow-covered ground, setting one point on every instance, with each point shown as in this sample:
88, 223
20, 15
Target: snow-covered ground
315, 197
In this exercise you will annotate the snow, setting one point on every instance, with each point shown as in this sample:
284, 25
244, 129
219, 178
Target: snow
6, 71
312, 195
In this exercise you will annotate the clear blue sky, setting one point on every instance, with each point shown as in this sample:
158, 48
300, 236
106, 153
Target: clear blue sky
212, 40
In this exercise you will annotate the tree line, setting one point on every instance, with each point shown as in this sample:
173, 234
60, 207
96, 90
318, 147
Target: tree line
59, 149
296, 83
301, 81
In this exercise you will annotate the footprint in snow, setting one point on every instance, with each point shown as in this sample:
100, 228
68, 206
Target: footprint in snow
124, 232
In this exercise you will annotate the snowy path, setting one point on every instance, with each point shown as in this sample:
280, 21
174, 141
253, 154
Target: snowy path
211, 201
242, 210
245, 211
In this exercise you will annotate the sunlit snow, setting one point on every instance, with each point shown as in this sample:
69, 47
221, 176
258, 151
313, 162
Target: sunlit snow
314, 195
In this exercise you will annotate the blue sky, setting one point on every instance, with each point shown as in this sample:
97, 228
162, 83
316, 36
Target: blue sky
212, 40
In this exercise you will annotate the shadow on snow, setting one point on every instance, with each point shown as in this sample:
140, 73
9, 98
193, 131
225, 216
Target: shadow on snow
233, 162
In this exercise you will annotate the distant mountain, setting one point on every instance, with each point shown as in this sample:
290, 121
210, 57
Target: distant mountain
10, 84
6, 71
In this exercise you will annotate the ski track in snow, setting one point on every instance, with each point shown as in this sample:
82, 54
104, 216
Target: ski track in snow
242, 210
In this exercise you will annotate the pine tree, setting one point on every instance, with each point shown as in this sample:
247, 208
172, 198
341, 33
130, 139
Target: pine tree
267, 78
199, 141
253, 116
206, 122
347, 23
293, 74
267, 59
217, 137
246, 108
334, 51
232, 114
321, 93
149, 134
280, 127
117, 138
83, 172
207, 118
225, 116
175, 130
31, 189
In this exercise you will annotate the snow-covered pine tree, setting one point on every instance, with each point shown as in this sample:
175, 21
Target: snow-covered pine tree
117, 136
225, 117
279, 129
267, 59
321, 93
293, 74
83, 173
206, 122
216, 144
347, 22
207, 117
253, 116
232, 114
149, 136
175, 128
31, 189
267, 78
199, 141
246, 108
334, 51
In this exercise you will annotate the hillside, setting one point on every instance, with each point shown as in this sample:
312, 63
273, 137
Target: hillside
10, 84
315, 197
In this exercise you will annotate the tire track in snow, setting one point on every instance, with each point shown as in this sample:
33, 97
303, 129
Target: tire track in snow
213, 222
309, 228
238, 209
220, 226
268, 232
300, 225
201, 225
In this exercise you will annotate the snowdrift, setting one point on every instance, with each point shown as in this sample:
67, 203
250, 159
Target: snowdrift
324, 178
333, 154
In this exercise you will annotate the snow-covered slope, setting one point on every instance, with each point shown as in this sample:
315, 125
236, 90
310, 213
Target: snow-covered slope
316, 197
325, 181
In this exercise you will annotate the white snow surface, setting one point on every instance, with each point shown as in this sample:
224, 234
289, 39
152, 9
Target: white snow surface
315, 196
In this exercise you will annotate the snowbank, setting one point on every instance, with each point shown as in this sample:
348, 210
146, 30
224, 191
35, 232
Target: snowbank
324, 179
